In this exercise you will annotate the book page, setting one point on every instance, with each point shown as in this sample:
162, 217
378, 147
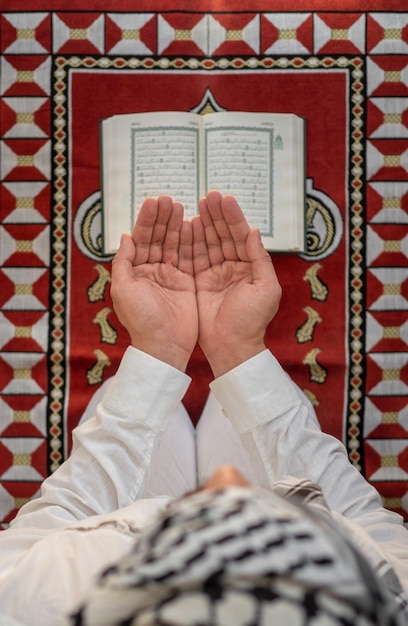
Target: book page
239, 161
289, 182
259, 159
147, 155
165, 160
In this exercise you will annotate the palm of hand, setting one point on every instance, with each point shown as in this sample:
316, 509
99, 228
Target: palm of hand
165, 298
225, 295
164, 277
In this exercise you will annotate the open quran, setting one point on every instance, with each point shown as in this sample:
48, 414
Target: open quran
257, 157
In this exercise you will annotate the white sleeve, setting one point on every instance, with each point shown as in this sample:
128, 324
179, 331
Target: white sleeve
46, 574
111, 451
96, 488
280, 431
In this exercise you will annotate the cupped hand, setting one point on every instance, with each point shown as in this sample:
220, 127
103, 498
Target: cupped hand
153, 287
238, 292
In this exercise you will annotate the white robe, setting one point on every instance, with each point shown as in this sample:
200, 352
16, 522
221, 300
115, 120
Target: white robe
140, 451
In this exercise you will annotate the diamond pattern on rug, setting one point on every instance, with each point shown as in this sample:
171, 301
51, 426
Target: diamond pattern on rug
287, 33
339, 33
131, 33
81, 33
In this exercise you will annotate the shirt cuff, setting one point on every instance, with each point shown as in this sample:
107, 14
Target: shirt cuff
255, 392
146, 389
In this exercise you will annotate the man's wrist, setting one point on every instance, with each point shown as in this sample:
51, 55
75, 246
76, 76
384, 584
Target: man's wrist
226, 357
166, 351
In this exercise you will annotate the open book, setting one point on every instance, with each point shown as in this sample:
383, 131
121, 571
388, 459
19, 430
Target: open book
257, 157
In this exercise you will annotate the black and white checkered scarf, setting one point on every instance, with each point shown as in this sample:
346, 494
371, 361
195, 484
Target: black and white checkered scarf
239, 557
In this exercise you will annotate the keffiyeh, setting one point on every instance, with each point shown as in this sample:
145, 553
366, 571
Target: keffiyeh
239, 557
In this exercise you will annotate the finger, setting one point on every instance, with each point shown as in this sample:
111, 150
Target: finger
171, 242
164, 210
213, 242
185, 256
143, 230
237, 225
215, 203
201, 260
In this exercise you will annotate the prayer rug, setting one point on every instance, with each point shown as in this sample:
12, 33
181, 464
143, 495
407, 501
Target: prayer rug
342, 329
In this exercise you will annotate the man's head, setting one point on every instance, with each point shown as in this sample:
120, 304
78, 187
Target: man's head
239, 556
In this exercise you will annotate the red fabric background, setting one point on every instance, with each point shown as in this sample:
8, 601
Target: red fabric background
275, 92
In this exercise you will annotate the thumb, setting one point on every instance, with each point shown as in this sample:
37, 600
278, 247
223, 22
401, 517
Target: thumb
123, 259
255, 248
262, 266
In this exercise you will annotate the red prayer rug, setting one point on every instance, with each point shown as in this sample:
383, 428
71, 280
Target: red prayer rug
342, 329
